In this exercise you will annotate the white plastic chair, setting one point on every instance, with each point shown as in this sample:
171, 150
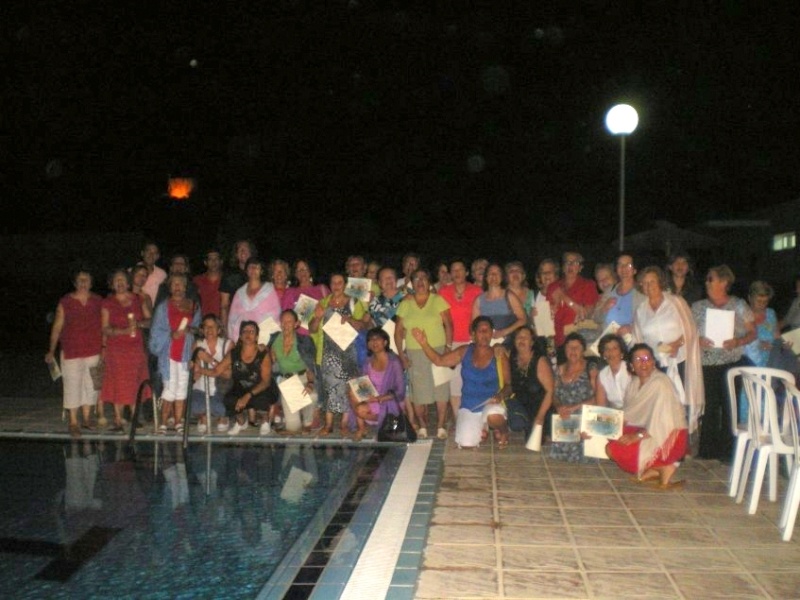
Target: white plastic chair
764, 433
741, 433
791, 418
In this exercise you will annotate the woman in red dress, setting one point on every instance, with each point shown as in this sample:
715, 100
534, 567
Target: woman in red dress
123, 315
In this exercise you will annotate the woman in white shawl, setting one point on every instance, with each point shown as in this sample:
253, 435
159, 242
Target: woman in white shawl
254, 301
655, 434
664, 322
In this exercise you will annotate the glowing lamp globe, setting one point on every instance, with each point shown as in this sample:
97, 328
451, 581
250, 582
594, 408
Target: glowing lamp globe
622, 119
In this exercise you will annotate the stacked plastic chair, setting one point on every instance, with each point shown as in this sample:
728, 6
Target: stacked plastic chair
791, 421
764, 431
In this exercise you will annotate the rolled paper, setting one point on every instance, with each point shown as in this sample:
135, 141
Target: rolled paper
535, 439
184, 323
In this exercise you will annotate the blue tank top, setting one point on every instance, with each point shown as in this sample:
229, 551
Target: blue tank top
479, 384
499, 311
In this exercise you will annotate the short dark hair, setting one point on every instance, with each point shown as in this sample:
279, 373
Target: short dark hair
612, 337
378, 332
575, 337
478, 320
640, 346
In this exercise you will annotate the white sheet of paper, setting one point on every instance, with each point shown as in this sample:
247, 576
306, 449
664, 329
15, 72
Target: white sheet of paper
293, 390
793, 337
441, 375
359, 288
543, 320
389, 328
719, 325
55, 370
603, 424
265, 330
343, 334
304, 307
296, 483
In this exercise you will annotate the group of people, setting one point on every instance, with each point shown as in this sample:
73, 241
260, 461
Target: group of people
464, 341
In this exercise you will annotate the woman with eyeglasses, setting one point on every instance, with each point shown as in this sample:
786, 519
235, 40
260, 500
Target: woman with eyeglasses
716, 439
665, 323
655, 435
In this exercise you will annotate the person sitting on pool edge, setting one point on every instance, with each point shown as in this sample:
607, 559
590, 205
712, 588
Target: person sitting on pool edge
385, 371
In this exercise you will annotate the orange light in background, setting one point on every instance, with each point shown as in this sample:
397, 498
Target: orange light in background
180, 188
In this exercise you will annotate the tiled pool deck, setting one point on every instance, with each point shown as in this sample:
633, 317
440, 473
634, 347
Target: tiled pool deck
511, 524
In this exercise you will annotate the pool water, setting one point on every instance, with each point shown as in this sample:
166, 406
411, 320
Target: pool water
93, 519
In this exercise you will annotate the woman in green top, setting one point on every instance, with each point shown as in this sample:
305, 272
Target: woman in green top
293, 354
430, 313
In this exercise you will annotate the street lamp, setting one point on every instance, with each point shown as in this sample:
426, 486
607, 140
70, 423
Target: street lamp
622, 120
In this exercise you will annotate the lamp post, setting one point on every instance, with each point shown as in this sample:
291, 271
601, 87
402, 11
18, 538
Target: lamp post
622, 120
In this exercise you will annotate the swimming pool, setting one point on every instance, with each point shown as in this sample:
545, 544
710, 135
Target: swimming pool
96, 519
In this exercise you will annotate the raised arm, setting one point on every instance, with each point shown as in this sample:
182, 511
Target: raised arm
450, 358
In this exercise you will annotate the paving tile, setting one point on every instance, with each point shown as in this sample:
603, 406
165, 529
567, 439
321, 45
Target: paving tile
538, 584
535, 536
702, 586
685, 537
455, 583
441, 556
461, 534
539, 558
529, 516
612, 537
698, 559
599, 515
631, 585
782, 585
618, 559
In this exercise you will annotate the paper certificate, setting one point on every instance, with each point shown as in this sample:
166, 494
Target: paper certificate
389, 327
793, 337
441, 375
362, 388
341, 332
719, 325
543, 319
55, 370
359, 288
265, 330
304, 307
602, 424
294, 393
296, 483
566, 430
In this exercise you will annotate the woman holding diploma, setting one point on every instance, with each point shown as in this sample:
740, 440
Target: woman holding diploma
716, 440
294, 354
254, 301
655, 433
487, 383
385, 371
338, 365
77, 328
171, 340
124, 315
576, 382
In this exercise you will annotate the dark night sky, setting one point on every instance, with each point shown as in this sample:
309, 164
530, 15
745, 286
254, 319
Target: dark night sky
481, 117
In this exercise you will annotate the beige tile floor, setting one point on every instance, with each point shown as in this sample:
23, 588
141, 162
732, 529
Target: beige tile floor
513, 524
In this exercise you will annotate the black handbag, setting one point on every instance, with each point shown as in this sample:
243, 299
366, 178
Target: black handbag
396, 428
